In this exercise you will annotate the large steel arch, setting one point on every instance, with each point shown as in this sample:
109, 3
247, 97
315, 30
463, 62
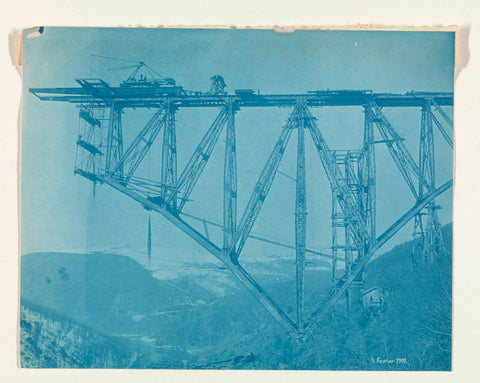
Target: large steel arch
103, 158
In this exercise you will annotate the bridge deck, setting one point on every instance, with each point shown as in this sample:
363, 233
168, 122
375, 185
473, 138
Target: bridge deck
152, 97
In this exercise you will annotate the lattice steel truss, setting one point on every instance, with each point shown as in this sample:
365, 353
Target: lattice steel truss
102, 158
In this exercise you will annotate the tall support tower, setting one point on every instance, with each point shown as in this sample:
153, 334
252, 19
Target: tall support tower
429, 235
346, 249
367, 180
230, 187
300, 212
356, 169
169, 157
114, 139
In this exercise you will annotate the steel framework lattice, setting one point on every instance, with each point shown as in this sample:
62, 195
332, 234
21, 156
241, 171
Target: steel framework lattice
102, 157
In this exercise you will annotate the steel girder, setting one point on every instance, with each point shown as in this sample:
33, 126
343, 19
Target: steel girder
368, 176
300, 216
442, 130
103, 95
169, 157
230, 187
426, 158
114, 139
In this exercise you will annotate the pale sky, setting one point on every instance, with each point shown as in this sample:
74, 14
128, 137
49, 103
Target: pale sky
58, 211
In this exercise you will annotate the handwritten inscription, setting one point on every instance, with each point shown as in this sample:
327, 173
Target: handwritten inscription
379, 360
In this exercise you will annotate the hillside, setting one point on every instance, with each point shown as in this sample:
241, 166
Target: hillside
179, 323
49, 342
411, 331
103, 291
176, 322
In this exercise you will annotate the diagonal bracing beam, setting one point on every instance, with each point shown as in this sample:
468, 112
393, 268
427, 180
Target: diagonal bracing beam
443, 114
348, 202
140, 146
263, 186
195, 166
401, 156
442, 131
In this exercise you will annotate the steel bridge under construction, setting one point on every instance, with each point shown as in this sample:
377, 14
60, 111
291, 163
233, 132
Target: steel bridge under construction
104, 158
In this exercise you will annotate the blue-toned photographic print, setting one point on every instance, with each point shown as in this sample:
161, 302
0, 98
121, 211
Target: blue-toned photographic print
236, 199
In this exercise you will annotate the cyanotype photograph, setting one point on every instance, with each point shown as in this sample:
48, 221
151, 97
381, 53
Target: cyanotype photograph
236, 199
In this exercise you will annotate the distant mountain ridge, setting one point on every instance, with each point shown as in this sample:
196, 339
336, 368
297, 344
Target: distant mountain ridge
101, 290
